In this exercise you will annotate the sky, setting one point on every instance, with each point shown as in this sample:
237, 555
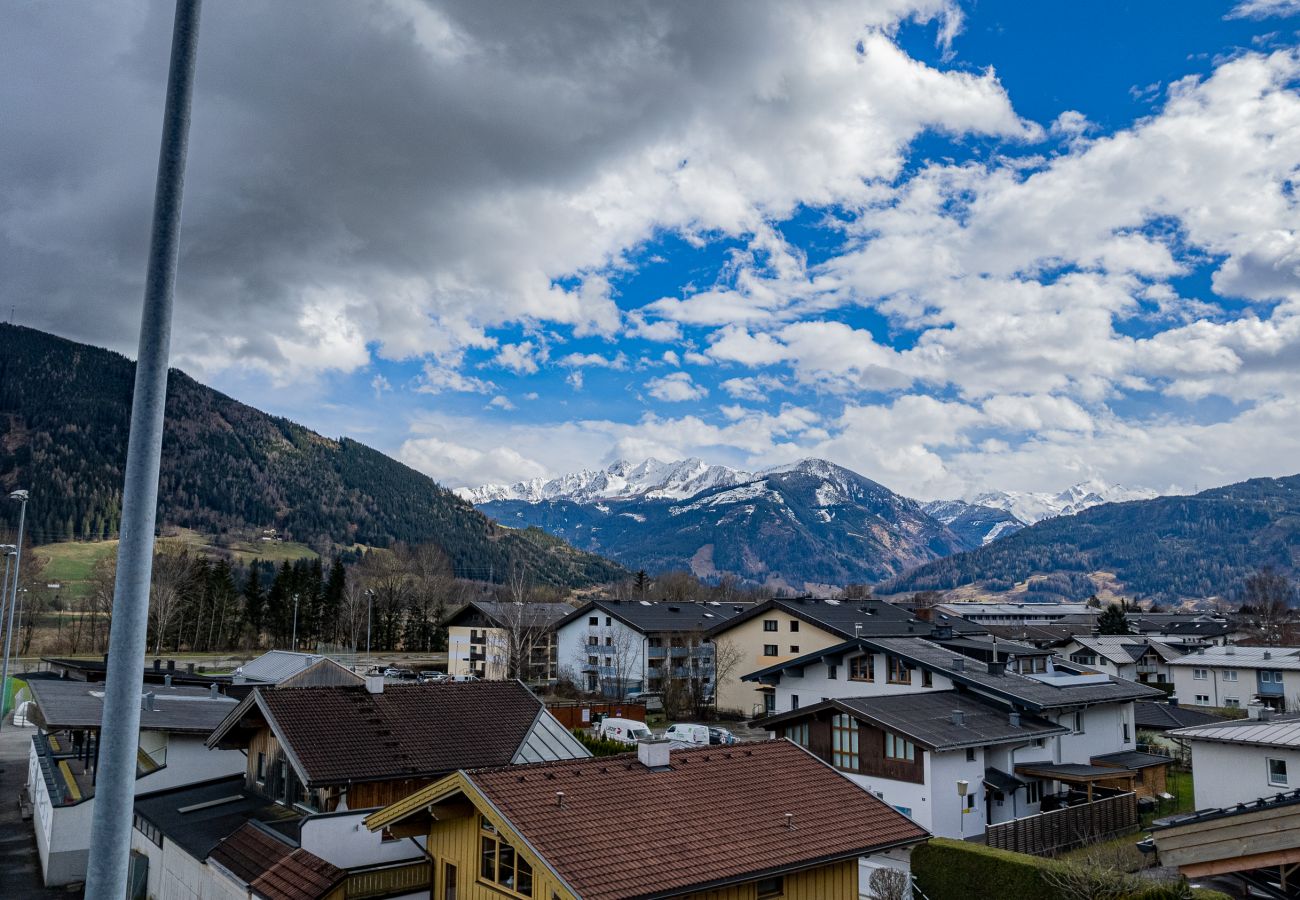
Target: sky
954, 246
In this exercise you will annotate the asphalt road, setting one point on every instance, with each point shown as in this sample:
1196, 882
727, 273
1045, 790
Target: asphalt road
20, 867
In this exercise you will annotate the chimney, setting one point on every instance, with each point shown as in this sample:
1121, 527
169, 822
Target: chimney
654, 754
167, 681
1230, 650
997, 668
171, 665
925, 613
559, 799
1014, 718
157, 665
959, 663
189, 668
212, 692
146, 702
958, 717
1268, 654
374, 684
942, 632
1255, 711
789, 821
1173, 700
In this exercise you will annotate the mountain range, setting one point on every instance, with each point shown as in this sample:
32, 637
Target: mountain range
1030, 507
229, 468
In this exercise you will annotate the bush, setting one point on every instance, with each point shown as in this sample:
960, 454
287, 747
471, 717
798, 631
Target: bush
600, 746
947, 869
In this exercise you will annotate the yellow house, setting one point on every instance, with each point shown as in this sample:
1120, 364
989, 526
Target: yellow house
781, 630
746, 822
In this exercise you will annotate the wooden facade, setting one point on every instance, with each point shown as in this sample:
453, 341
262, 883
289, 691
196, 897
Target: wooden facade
871, 748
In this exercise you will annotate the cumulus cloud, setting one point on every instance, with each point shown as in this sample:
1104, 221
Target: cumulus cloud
676, 387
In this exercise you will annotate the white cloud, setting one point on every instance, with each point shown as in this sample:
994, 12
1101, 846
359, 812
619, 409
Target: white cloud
676, 387
436, 379
455, 465
594, 360
1264, 9
524, 357
501, 401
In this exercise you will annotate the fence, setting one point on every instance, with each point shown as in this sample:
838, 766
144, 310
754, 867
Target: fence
388, 880
582, 713
1049, 833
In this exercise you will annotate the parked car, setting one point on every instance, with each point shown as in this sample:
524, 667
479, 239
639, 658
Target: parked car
688, 733
462, 678
432, 677
720, 736
627, 731
653, 700
392, 672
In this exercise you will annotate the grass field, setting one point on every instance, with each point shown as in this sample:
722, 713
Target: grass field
72, 563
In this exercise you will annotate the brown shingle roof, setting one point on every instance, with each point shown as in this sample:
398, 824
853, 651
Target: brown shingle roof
714, 815
346, 734
274, 869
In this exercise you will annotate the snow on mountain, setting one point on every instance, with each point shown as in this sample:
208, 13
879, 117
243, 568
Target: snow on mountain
1031, 507
651, 479
975, 524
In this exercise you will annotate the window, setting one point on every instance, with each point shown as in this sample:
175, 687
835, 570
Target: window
898, 672
1038, 742
769, 703
770, 650
261, 768
770, 624
794, 624
1233, 702
832, 672
1084, 659
595, 660
1126, 738
593, 641
448, 881
794, 701
970, 754
844, 742
798, 733
1229, 674
970, 799
905, 810
863, 668
1277, 772
927, 678
1033, 792
609, 641
1200, 674
500, 865
771, 887
609, 620
794, 648
1077, 726
609, 661
1202, 699
147, 828
593, 620
899, 748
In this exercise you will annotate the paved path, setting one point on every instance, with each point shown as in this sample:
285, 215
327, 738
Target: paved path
20, 867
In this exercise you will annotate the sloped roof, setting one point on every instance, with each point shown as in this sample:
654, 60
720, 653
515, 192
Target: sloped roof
335, 735
80, 704
928, 719
273, 666
274, 869
647, 616
1131, 759
714, 816
532, 615
1123, 649
843, 617
1243, 657
197, 817
1162, 717
1278, 731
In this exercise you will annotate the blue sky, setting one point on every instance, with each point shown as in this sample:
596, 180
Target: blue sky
953, 246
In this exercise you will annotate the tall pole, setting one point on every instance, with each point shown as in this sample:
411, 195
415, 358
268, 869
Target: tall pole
295, 623
370, 596
21, 497
110, 835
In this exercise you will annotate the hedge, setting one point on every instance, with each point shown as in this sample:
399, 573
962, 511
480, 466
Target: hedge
600, 746
947, 869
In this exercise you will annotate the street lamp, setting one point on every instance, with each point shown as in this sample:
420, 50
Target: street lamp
370, 596
295, 622
21, 497
962, 787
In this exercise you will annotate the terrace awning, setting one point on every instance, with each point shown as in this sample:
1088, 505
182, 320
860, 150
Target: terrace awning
1079, 775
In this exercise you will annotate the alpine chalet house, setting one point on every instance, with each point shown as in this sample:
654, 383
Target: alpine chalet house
483, 637
911, 719
316, 760
779, 630
619, 647
1130, 656
762, 820
174, 721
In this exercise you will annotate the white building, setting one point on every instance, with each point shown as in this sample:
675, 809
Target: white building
617, 647
1186, 631
1233, 676
1021, 738
1135, 657
1021, 613
1242, 760
174, 721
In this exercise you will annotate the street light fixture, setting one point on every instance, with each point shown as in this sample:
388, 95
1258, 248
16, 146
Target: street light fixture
20, 496
295, 623
963, 787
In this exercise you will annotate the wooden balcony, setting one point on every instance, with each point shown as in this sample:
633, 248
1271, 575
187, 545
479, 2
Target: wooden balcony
375, 882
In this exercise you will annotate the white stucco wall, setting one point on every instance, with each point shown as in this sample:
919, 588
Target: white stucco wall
572, 653
1227, 774
815, 686
345, 842
1103, 732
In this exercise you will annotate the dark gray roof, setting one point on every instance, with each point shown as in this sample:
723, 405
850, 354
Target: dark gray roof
1054, 633
985, 645
648, 616
1275, 731
1131, 759
1035, 693
1070, 771
79, 704
999, 780
841, 617
198, 816
927, 719
532, 615
1277, 801
1158, 716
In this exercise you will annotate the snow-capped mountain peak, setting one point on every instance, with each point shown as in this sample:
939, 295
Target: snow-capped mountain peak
1031, 506
620, 480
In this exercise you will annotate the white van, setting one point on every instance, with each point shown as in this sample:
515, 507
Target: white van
628, 731
688, 734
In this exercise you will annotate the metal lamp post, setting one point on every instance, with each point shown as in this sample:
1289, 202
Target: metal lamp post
21, 497
370, 597
962, 788
295, 623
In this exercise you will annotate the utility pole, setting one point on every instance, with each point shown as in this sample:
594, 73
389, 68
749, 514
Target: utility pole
110, 835
21, 497
7, 550
370, 596
295, 623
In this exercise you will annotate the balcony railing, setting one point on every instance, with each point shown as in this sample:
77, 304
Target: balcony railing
387, 881
656, 652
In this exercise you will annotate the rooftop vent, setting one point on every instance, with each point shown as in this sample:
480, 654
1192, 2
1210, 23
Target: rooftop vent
958, 717
559, 799
959, 664
654, 754
146, 702
997, 668
1173, 700
789, 821
1014, 718
374, 684
1268, 654
212, 692
167, 681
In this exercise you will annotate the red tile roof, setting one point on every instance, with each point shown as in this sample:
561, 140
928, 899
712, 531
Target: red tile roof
713, 816
346, 734
274, 869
